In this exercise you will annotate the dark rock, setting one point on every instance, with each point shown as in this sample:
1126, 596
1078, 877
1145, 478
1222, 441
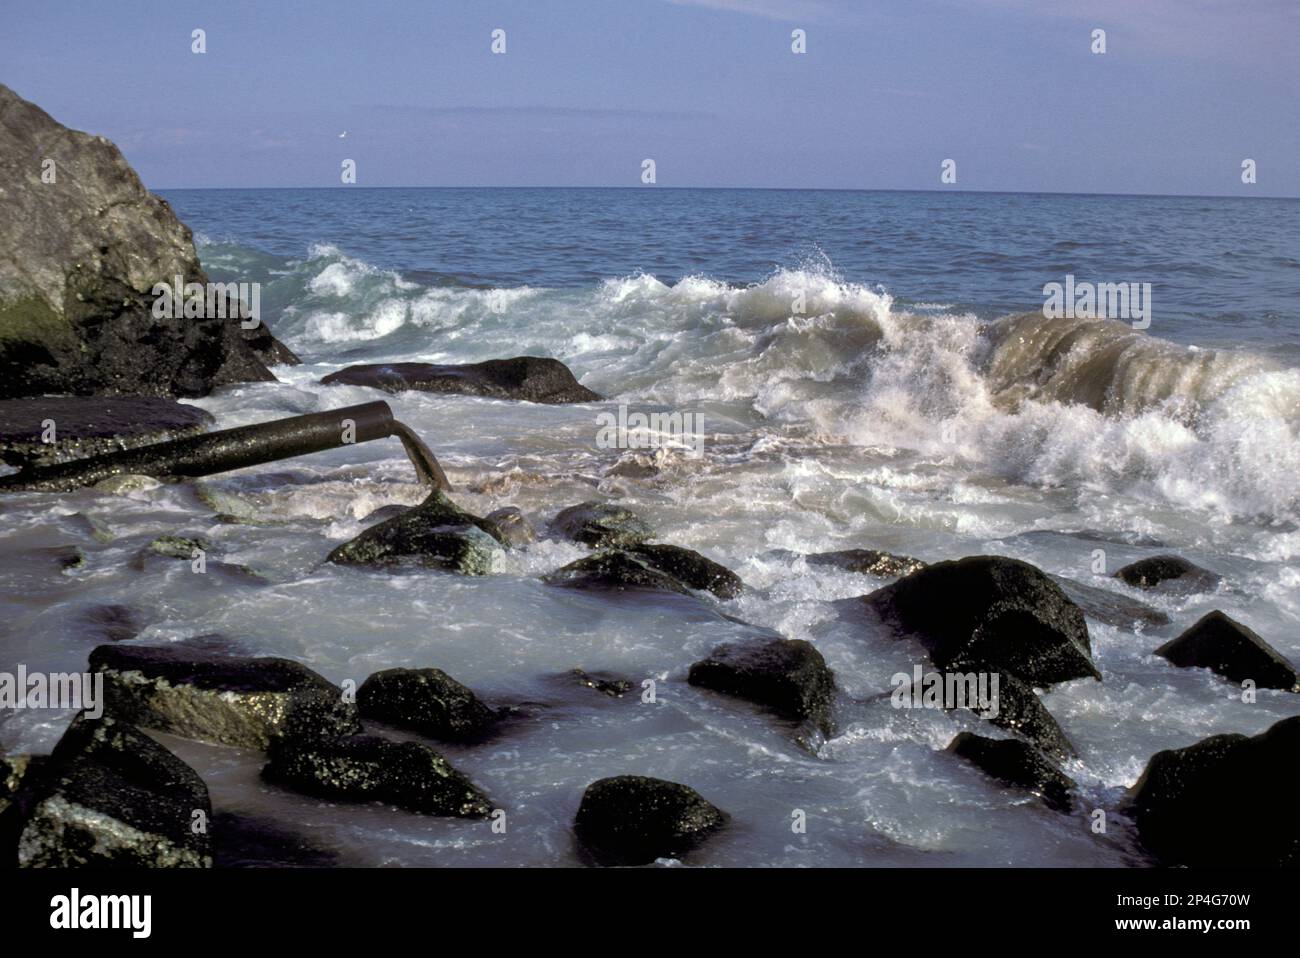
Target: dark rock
113, 623
513, 526
112, 796
435, 534
384, 513
530, 378
883, 565
614, 570
1227, 647
225, 699
428, 701
79, 258
1110, 607
690, 568
243, 841
602, 524
991, 613
1226, 802
1169, 573
16, 773
364, 768
91, 426
1017, 764
633, 820
788, 675
603, 682
1020, 710
178, 547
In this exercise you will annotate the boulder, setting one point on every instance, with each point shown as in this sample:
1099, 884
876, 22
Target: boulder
993, 614
604, 682
530, 378
787, 675
690, 568
615, 570
1109, 607
225, 699
1168, 573
883, 565
428, 701
435, 534
513, 526
1020, 710
633, 820
1226, 802
366, 768
112, 796
602, 525
112, 623
1017, 764
1227, 647
80, 254
85, 426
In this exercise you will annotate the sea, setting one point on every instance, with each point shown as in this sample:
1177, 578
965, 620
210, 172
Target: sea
873, 370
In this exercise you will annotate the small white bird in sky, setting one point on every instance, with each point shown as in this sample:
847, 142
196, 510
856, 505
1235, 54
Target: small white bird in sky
343, 134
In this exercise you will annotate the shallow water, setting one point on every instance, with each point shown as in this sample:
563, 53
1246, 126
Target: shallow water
900, 410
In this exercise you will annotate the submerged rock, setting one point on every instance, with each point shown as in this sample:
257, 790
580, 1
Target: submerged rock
245, 841
113, 623
787, 675
513, 525
1228, 801
633, 820
1017, 764
1227, 647
615, 570
428, 701
690, 568
1109, 607
83, 426
604, 682
1168, 573
112, 796
883, 565
994, 614
435, 534
531, 378
224, 699
79, 258
602, 525
364, 768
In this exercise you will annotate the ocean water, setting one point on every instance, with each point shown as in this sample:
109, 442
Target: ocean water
918, 403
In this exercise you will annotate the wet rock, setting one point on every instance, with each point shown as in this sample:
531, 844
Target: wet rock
1020, 710
604, 682
1017, 764
690, 568
633, 820
83, 426
1227, 801
615, 570
1168, 573
1229, 648
365, 768
65, 558
787, 675
994, 614
178, 547
601, 525
126, 484
16, 773
245, 841
224, 699
1109, 607
79, 258
513, 526
883, 565
530, 378
435, 534
428, 701
112, 796
113, 623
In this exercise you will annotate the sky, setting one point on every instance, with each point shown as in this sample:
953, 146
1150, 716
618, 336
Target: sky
711, 90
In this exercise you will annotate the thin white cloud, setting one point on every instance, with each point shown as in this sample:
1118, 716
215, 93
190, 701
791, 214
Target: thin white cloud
811, 11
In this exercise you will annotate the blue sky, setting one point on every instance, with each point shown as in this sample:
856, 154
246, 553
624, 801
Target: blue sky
707, 88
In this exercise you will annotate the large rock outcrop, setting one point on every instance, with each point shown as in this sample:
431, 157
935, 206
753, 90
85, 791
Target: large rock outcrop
82, 244
530, 378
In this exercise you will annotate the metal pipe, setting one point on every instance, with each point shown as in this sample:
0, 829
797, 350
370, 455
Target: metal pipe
237, 448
